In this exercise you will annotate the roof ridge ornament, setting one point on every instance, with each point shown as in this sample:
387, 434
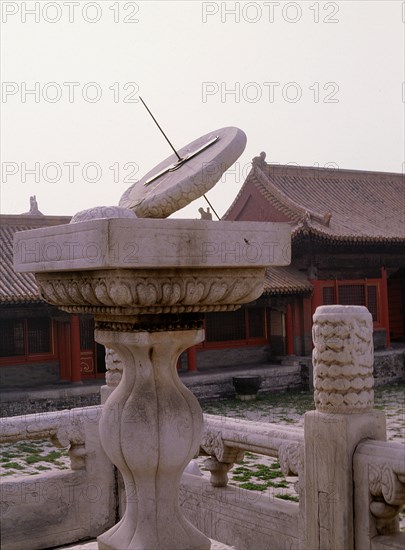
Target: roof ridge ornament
306, 215
259, 161
33, 211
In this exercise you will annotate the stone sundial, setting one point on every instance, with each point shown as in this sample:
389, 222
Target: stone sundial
186, 175
148, 283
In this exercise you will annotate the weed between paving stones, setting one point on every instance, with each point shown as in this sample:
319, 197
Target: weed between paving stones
31, 458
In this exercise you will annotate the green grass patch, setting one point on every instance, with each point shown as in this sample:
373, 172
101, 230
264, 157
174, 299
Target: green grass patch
241, 473
278, 485
264, 472
254, 486
8, 454
25, 448
283, 496
248, 454
13, 465
243, 478
32, 459
52, 456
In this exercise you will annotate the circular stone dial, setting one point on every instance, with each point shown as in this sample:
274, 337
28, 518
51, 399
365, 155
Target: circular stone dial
172, 185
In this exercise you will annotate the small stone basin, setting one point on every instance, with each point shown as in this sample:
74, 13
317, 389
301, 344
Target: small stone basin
246, 386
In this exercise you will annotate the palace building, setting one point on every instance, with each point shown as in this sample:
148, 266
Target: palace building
348, 248
348, 237
39, 343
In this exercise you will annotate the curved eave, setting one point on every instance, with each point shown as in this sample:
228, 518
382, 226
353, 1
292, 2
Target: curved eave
344, 239
287, 291
20, 300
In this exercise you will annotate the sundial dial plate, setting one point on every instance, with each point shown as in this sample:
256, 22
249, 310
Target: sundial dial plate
174, 183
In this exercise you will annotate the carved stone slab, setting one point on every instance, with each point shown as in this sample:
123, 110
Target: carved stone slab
143, 243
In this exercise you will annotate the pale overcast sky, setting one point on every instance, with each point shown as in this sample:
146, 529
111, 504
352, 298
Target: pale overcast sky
312, 83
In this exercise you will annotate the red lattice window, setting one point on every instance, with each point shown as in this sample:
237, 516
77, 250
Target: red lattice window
39, 335
328, 295
244, 324
25, 337
352, 295
256, 324
11, 338
372, 301
229, 325
356, 294
86, 333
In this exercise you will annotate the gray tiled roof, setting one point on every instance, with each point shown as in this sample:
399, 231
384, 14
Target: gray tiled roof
19, 287
285, 280
346, 206
338, 205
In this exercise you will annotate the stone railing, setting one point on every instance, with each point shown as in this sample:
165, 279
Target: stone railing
225, 440
350, 480
58, 507
239, 517
379, 479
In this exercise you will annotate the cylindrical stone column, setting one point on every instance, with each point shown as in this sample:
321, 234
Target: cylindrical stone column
344, 398
151, 427
343, 359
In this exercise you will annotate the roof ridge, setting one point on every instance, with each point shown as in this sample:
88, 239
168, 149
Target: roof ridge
305, 215
330, 171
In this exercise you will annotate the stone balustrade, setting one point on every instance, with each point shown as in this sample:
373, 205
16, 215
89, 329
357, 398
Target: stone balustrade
226, 440
379, 478
58, 507
64, 428
223, 512
351, 481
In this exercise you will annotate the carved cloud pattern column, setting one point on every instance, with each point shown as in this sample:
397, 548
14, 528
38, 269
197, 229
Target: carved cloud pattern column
344, 399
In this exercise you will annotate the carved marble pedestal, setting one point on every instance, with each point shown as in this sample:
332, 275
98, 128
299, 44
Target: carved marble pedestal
151, 427
148, 282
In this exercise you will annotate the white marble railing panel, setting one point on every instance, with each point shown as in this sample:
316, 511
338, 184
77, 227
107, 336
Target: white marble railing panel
55, 508
64, 428
227, 439
379, 481
240, 518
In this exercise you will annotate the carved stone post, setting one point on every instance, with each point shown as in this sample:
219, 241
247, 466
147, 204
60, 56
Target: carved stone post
344, 399
150, 428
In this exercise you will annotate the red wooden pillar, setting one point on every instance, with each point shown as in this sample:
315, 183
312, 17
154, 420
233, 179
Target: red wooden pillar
75, 372
307, 325
384, 306
316, 299
62, 351
192, 359
289, 329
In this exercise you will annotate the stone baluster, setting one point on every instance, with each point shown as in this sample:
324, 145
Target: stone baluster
219, 471
151, 426
113, 373
344, 399
222, 458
